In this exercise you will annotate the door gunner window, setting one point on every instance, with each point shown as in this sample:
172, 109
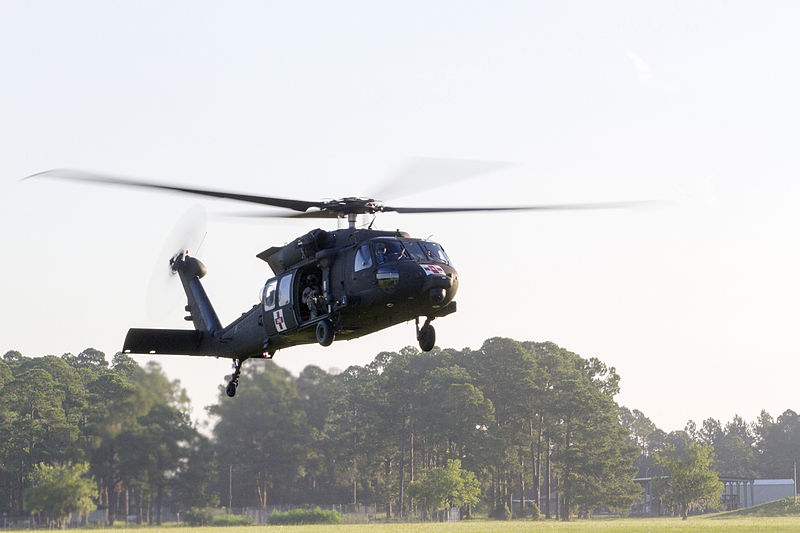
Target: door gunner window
285, 291
386, 251
363, 258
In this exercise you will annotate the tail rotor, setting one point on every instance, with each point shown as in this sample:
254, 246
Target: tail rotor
164, 291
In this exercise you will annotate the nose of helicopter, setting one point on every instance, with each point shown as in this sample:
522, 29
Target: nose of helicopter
440, 285
437, 296
424, 287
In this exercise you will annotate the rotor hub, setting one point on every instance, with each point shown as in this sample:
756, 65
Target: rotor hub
351, 206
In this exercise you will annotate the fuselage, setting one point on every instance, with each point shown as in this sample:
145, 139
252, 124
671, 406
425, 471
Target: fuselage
327, 286
371, 284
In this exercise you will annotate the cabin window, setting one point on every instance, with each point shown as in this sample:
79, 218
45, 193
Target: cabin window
268, 297
363, 258
386, 251
285, 291
436, 253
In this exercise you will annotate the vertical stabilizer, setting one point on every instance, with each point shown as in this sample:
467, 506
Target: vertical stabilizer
201, 312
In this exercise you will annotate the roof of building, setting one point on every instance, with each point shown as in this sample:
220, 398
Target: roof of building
726, 479
773, 482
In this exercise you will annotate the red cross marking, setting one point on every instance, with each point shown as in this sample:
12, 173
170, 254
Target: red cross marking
280, 323
433, 269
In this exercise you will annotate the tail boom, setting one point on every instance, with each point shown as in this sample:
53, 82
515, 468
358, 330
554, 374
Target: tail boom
240, 340
164, 341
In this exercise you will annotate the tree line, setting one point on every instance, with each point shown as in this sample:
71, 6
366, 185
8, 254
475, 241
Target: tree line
528, 419
525, 419
126, 427
505, 427
685, 466
765, 448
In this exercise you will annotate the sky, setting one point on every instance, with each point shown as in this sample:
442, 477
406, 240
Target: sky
695, 302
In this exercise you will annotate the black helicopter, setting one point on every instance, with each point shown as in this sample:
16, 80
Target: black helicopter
327, 285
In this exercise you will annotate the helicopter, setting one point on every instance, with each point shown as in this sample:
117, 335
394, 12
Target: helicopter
327, 285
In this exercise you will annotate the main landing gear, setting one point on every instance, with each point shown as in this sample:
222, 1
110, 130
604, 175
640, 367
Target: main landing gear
230, 390
325, 332
426, 335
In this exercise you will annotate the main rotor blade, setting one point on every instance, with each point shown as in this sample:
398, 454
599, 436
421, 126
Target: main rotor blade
424, 173
552, 207
80, 175
264, 214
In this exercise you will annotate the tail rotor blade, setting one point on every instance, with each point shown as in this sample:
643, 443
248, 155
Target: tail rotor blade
164, 291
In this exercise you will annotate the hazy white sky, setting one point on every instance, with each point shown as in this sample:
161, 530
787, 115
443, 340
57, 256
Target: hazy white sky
696, 305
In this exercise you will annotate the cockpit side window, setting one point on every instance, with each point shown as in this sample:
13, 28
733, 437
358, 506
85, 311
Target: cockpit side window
268, 296
387, 251
436, 253
416, 251
363, 258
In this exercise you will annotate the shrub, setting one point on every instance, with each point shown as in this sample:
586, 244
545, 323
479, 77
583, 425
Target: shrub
501, 512
197, 516
304, 516
533, 511
232, 520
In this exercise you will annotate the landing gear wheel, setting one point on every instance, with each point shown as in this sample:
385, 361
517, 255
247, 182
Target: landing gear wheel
426, 338
230, 390
325, 332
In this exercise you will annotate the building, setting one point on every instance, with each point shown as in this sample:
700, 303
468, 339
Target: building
738, 493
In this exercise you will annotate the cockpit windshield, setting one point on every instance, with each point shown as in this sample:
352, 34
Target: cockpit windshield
389, 251
425, 252
436, 253
419, 251
416, 251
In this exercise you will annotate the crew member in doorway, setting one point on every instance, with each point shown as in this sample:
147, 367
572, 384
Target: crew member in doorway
312, 297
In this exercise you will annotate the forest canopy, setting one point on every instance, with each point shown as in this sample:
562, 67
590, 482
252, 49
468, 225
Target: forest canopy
520, 419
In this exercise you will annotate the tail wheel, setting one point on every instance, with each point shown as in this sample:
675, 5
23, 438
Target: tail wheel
325, 332
426, 338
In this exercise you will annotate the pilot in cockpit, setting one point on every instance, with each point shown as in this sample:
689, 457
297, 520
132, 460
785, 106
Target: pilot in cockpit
380, 252
389, 251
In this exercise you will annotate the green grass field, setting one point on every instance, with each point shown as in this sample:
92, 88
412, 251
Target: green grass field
775, 517
705, 524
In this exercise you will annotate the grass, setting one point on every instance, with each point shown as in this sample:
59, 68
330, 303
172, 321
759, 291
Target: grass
784, 507
700, 524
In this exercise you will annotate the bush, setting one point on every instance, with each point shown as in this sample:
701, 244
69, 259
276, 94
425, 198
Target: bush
198, 517
232, 520
533, 511
304, 516
501, 512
